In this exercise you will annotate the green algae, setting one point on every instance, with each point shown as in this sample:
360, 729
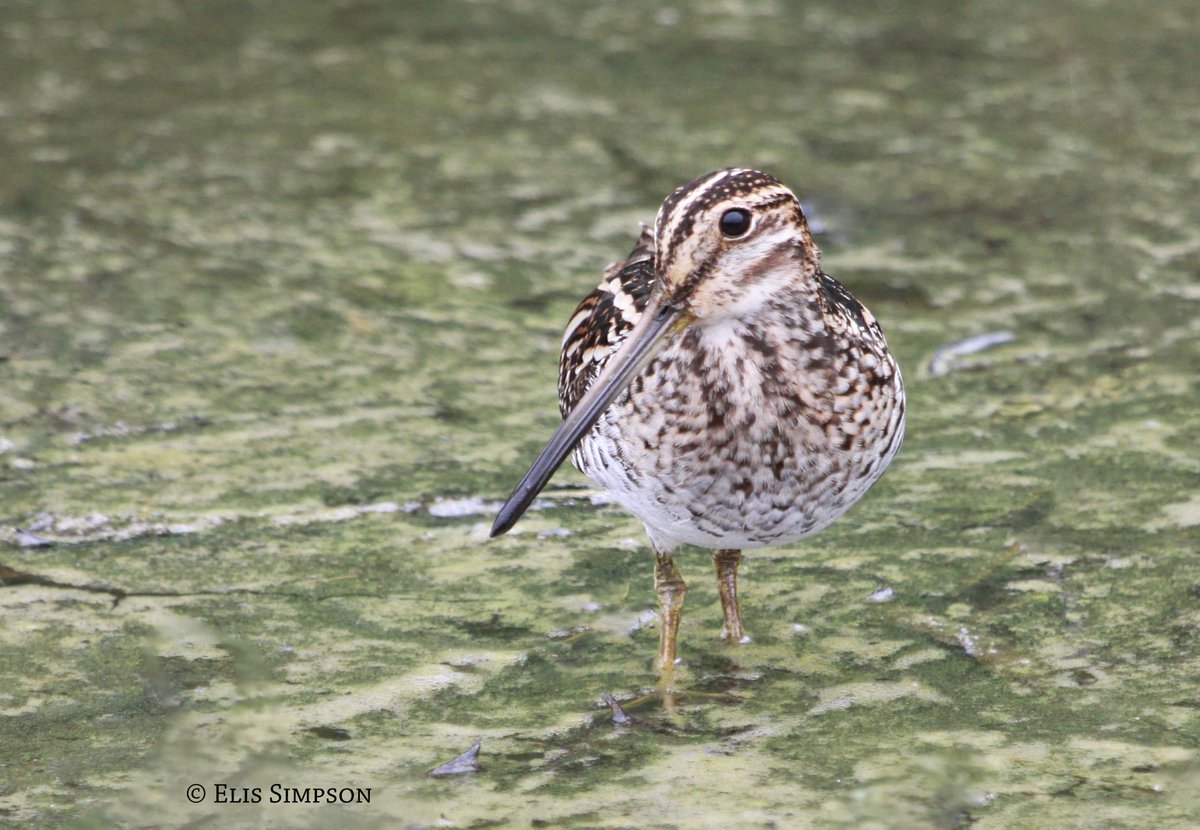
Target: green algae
281, 289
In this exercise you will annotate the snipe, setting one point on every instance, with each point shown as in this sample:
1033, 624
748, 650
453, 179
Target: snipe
722, 387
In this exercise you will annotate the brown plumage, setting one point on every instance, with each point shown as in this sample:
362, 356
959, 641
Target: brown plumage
723, 388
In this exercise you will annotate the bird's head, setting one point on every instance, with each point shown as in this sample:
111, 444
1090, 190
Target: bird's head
728, 241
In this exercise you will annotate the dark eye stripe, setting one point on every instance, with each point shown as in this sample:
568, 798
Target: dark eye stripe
774, 202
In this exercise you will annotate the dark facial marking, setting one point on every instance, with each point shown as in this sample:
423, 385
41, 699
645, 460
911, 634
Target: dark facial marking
738, 184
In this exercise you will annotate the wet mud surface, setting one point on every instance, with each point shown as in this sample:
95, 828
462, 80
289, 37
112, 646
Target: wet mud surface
281, 288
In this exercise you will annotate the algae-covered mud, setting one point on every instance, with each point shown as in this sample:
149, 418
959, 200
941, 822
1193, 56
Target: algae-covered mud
281, 287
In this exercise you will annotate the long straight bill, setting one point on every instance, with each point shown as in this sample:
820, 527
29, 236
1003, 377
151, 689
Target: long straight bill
635, 353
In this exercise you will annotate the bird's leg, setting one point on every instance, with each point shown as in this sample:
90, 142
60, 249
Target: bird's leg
671, 591
727, 562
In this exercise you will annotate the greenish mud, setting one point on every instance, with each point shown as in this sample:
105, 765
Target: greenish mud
281, 287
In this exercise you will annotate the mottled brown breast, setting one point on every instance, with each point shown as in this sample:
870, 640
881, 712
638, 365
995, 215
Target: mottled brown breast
602, 320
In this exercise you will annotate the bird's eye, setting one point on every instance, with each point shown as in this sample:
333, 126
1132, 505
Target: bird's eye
735, 222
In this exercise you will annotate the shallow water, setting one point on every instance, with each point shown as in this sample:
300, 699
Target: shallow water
281, 287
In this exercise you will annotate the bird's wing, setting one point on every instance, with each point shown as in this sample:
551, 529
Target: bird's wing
603, 319
845, 307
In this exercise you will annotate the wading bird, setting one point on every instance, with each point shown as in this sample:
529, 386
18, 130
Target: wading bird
722, 388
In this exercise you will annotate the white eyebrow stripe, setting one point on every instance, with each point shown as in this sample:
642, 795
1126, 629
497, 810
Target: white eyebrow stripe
683, 208
770, 194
